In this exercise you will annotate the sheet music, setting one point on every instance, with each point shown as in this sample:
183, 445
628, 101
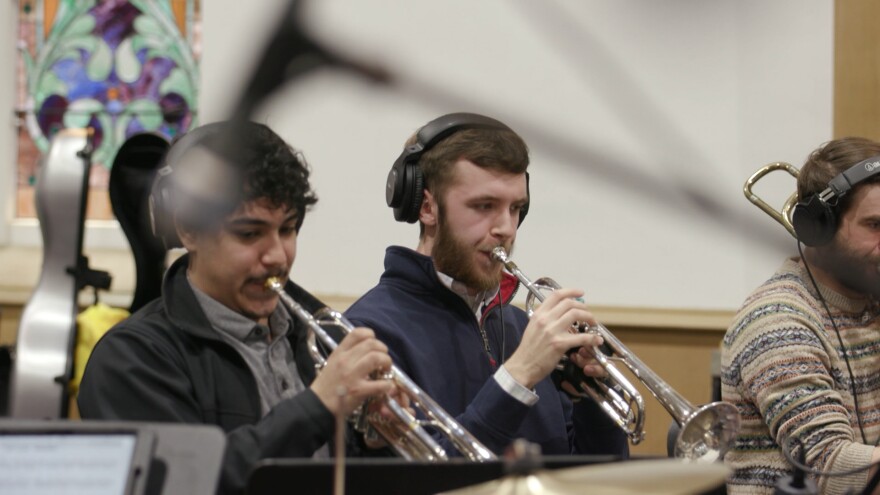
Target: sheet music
94, 464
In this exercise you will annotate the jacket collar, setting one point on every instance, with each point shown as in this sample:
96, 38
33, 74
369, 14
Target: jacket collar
181, 305
417, 272
509, 286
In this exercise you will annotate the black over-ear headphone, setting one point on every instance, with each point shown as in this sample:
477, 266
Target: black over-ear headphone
815, 219
162, 194
404, 189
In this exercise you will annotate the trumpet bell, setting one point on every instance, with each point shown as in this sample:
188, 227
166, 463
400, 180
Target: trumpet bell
708, 433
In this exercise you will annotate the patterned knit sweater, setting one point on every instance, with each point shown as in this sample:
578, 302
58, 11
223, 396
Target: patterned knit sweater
783, 367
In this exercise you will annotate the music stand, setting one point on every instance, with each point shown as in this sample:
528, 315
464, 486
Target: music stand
113, 457
388, 476
189, 456
42, 458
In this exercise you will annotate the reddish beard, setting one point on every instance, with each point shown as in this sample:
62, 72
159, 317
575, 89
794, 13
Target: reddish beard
457, 259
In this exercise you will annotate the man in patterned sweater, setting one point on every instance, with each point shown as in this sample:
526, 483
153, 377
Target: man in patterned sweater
802, 357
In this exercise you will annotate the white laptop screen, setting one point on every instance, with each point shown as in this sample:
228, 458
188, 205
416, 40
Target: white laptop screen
66, 464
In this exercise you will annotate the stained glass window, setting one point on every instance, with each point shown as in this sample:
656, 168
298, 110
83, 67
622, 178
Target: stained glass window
117, 66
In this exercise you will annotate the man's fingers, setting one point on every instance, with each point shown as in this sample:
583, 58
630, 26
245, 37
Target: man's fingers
369, 388
583, 341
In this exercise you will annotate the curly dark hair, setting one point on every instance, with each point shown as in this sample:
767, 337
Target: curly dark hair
262, 166
273, 170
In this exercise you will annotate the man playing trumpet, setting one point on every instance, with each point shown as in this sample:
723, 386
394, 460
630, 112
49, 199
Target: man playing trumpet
801, 358
443, 309
217, 347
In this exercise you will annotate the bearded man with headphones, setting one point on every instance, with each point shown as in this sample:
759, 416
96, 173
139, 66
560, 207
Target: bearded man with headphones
444, 308
217, 347
801, 359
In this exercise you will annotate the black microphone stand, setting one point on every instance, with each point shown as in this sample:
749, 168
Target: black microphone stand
290, 53
797, 483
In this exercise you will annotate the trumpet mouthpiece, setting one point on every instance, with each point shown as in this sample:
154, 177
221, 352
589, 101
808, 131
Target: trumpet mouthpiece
499, 254
272, 283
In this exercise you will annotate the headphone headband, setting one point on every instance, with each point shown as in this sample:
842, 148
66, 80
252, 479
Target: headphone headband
440, 128
404, 187
191, 163
815, 218
846, 180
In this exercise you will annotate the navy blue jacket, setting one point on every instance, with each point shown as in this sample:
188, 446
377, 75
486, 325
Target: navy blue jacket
434, 337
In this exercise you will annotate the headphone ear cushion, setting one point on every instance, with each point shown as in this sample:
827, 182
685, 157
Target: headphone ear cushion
160, 212
160, 202
413, 203
814, 222
525, 208
522, 214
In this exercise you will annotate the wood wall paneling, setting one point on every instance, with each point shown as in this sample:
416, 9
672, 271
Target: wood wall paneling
856, 69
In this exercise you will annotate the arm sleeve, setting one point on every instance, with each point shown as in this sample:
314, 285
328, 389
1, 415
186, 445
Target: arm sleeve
786, 370
514, 388
493, 417
132, 378
593, 432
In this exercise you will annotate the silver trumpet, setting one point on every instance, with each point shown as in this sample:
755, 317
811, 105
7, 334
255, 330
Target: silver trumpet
707, 432
404, 432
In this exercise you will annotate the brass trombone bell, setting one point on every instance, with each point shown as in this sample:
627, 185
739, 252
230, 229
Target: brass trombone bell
782, 216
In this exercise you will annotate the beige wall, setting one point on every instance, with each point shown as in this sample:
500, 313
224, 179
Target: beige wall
9, 316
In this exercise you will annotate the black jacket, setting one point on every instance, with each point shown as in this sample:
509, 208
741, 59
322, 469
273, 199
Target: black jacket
165, 363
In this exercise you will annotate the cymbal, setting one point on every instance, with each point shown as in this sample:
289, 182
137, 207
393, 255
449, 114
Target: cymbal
660, 476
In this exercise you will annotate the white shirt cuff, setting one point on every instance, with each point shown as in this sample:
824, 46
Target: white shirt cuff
514, 388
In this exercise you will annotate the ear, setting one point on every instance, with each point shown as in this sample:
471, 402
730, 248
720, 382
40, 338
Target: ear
429, 210
187, 237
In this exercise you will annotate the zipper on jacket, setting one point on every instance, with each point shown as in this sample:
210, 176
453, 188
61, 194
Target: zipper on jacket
479, 322
499, 307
